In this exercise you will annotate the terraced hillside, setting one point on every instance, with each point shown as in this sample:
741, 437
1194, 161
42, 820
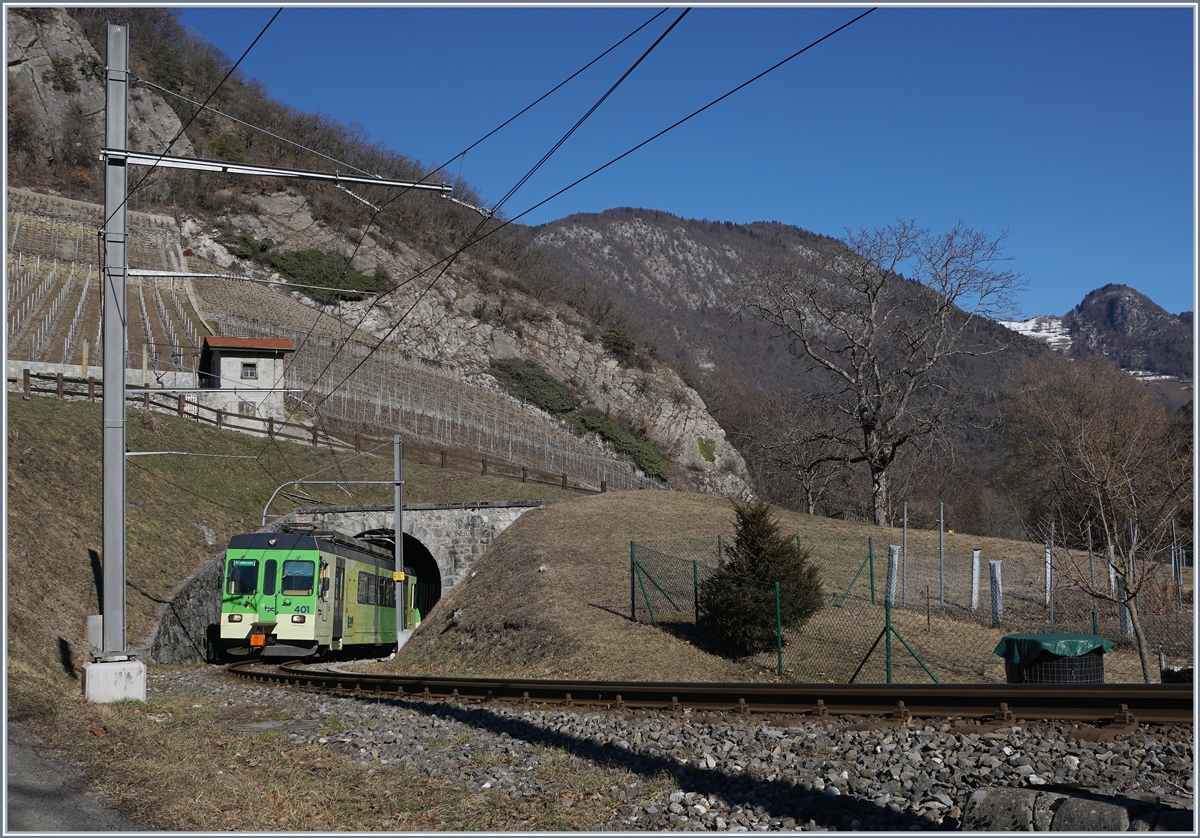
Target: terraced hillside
54, 294
54, 302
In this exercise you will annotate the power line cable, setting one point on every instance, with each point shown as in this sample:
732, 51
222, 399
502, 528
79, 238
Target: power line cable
471, 238
270, 134
559, 85
192, 118
502, 125
652, 138
447, 261
482, 223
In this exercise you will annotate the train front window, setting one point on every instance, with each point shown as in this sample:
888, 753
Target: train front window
298, 578
242, 578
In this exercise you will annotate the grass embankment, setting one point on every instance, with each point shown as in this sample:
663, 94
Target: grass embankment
571, 620
176, 506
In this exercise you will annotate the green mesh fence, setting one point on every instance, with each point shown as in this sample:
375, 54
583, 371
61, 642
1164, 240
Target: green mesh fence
952, 643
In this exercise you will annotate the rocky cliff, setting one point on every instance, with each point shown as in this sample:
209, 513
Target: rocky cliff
456, 321
1133, 330
51, 60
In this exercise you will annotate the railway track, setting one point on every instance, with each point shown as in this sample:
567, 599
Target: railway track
1120, 705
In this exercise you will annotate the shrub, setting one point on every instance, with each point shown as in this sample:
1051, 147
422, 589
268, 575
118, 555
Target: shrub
229, 147
708, 448
61, 75
326, 270
624, 441
245, 247
166, 68
527, 381
737, 603
619, 344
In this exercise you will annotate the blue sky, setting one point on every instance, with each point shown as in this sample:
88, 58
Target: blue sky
1071, 128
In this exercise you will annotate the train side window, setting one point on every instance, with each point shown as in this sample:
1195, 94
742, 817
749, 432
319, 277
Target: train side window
363, 581
298, 577
242, 577
270, 577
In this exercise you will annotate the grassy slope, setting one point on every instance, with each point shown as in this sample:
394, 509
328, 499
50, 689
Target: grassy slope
54, 520
572, 619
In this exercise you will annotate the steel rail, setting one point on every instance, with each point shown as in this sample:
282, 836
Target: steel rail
1121, 703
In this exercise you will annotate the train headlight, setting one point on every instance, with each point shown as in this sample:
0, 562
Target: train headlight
235, 618
297, 618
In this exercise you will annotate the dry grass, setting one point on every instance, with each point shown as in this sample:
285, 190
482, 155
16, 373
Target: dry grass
54, 520
174, 764
572, 619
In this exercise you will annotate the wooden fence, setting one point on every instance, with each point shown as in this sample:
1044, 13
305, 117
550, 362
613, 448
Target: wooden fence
91, 388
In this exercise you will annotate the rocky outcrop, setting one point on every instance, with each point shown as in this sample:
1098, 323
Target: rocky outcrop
51, 58
458, 324
1133, 330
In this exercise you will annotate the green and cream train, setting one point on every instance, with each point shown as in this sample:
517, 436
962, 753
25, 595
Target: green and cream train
297, 594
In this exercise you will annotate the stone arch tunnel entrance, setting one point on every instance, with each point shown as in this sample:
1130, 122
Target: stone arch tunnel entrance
442, 541
421, 562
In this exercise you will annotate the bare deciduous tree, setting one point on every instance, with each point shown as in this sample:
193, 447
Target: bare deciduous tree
1095, 452
785, 435
883, 341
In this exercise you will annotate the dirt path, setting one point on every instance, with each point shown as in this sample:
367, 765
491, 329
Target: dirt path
44, 792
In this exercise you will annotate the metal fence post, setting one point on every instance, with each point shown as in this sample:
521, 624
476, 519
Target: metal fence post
1050, 583
871, 559
941, 556
1177, 563
893, 568
778, 631
1092, 579
696, 590
632, 581
997, 592
887, 633
975, 579
904, 560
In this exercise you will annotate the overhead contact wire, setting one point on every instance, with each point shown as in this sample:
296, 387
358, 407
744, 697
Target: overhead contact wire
375, 301
192, 118
471, 239
449, 259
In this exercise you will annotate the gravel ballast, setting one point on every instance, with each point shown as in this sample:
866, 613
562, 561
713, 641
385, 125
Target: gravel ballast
735, 773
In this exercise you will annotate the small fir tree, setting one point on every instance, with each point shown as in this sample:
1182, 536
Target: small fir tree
737, 603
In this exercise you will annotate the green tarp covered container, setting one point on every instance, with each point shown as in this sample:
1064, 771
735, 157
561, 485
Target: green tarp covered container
1058, 658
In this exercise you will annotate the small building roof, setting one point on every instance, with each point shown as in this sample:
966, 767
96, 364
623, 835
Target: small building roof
268, 344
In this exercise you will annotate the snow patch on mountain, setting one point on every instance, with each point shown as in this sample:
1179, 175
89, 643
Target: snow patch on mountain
1046, 328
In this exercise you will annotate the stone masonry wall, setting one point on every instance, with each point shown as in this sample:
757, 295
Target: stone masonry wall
455, 534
